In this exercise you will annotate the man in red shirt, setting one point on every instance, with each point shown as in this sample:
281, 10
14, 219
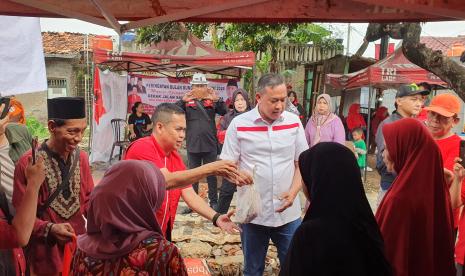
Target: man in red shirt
442, 116
65, 192
169, 131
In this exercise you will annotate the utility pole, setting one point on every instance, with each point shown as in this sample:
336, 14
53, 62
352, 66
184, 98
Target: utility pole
348, 39
383, 47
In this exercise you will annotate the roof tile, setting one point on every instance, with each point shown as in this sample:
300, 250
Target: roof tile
442, 43
64, 42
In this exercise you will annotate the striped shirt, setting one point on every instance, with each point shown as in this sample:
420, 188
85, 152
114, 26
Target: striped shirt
272, 149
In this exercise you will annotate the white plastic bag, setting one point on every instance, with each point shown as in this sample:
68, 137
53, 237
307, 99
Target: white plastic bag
250, 205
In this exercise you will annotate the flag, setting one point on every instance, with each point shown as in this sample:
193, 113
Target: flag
99, 108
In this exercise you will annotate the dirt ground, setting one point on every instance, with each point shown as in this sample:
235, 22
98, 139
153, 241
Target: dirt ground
196, 237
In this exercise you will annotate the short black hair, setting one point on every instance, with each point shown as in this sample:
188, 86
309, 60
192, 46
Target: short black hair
139, 79
59, 122
164, 112
358, 130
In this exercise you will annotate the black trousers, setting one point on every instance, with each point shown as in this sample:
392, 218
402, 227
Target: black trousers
196, 160
227, 191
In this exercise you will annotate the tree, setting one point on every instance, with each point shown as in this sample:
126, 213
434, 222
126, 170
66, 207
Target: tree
434, 61
264, 38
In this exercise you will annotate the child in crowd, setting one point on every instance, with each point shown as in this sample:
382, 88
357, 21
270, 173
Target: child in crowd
360, 147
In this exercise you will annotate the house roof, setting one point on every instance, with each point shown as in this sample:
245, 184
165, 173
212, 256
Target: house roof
442, 43
65, 44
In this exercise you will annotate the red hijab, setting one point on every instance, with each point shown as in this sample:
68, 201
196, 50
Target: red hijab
380, 115
354, 118
415, 216
121, 210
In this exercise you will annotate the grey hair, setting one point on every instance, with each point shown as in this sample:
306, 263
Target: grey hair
164, 113
269, 80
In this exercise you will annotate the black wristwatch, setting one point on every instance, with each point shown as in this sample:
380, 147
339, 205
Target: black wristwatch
215, 218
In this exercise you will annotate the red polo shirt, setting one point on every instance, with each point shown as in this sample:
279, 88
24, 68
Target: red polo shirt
147, 148
450, 150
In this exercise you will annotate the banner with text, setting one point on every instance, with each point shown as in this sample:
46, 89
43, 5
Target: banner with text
152, 91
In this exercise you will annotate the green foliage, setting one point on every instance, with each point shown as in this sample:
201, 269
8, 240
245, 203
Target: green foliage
36, 128
170, 31
240, 36
308, 32
264, 38
263, 65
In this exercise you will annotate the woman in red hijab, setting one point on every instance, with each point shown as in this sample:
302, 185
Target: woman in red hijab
354, 118
415, 216
123, 237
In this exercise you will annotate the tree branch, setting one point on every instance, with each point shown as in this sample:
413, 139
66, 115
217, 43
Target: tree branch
445, 68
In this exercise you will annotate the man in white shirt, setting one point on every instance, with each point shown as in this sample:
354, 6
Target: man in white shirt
269, 139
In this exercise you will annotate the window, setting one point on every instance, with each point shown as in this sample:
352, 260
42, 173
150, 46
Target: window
57, 88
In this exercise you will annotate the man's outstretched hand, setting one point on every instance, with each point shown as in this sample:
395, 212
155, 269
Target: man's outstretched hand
230, 171
224, 222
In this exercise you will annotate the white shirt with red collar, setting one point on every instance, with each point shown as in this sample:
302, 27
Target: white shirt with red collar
272, 149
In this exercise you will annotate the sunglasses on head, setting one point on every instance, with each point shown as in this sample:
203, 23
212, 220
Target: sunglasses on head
6, 103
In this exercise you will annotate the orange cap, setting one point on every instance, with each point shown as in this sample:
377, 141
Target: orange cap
446, 105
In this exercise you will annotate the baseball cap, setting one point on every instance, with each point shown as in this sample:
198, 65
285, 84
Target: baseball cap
409, 90
445, 104
199, 78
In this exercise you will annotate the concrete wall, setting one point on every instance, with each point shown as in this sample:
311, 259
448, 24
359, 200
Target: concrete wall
35, 104
297, 81
61, 68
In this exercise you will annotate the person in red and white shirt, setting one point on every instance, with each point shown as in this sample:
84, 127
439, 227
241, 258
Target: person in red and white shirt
268, 140
160, 148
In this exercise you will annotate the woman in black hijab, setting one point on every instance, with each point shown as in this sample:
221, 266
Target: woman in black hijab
339, 234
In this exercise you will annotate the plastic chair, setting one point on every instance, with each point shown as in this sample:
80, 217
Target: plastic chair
119, 131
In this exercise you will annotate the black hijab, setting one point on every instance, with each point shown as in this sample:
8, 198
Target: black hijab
233, 112
339, 234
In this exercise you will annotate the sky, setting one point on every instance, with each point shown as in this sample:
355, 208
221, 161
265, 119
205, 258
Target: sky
448, 28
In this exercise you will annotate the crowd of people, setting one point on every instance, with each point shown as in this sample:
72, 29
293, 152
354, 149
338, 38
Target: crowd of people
123, 225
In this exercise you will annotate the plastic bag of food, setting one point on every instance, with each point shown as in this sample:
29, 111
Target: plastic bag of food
250, 205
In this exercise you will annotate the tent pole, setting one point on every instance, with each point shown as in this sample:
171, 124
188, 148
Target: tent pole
370, 91
252, 86
91, 136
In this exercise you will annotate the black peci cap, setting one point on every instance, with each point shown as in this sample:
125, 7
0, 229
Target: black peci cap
65, 108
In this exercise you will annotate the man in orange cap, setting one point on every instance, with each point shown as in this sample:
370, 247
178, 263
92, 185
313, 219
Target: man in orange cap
16, 112
442, 116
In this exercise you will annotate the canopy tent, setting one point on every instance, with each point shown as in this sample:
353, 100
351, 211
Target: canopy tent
392, 71
389, 72
174, 58
143, 12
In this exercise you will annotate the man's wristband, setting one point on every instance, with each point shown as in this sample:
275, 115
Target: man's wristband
215, 218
